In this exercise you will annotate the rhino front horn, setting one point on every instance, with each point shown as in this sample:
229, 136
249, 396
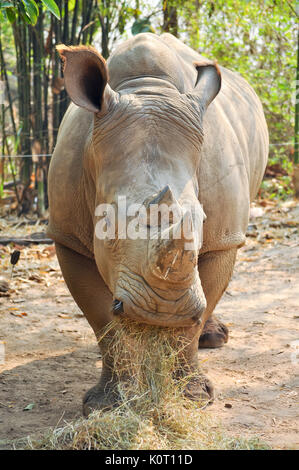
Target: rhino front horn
181, 232
162, 208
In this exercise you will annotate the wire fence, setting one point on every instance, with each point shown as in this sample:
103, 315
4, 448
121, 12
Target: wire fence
281, 144
28, 156
24, 188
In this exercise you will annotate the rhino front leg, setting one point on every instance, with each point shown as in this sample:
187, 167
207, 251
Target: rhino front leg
215, 271
94, 299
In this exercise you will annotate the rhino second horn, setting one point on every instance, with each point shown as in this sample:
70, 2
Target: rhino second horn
177, 233
174, 260
165, 196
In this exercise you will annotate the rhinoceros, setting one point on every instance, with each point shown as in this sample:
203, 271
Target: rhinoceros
157, 124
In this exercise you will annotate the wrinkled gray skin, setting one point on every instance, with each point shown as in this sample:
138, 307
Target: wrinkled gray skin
150, 128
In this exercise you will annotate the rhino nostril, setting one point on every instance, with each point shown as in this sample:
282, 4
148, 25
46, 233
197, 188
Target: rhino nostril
117, 307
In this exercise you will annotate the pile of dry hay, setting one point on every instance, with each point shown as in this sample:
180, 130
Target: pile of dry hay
154, 413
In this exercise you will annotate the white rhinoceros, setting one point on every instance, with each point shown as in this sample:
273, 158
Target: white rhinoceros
153, 127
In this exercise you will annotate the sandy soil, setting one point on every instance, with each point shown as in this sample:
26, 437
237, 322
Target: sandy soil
51, 357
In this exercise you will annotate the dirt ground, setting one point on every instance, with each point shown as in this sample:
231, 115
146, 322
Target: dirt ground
51, 356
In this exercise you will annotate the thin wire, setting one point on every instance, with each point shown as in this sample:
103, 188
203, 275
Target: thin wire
282, 143
27, 156
50, 154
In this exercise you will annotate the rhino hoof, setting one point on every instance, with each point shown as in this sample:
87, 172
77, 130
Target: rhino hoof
200, 389
98, 398
214, 335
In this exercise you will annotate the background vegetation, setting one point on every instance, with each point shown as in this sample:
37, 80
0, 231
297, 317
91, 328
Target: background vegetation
258, 39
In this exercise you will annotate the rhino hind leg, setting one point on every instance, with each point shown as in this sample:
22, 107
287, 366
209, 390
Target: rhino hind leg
215, 271
214, 335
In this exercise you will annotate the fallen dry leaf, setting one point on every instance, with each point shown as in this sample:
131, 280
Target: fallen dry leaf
19, 314
63, 315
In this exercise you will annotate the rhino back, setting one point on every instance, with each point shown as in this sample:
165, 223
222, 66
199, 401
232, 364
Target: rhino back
145, 55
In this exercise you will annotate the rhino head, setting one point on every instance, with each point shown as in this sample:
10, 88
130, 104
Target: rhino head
142, 158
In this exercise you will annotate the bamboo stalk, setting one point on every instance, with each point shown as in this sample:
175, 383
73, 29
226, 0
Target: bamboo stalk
55, 74
296, 151
74, 23
38, 51
4, 137
4, 73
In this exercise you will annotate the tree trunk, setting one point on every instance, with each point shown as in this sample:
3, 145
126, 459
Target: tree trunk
296, 150
170, 19
21, 38
38, 145
55, 74
64, 101
74, 23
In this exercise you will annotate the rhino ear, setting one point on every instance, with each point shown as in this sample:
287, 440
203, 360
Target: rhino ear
208, 82
85, 76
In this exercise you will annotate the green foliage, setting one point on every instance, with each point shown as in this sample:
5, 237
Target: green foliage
51, 5
27, 9
30, 10
277, 188
257, 39
112, 17
11, 15
142, 25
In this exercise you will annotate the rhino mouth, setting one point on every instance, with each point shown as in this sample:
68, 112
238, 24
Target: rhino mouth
135, 299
